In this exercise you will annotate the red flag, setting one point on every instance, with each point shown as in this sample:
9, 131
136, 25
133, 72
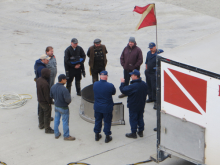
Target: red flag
148, 16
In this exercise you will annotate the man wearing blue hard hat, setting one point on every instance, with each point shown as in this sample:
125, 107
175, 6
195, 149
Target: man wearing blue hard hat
150, 72
103, 106
137, 93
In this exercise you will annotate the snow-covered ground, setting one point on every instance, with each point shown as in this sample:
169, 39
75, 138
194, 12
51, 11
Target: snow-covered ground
28, 27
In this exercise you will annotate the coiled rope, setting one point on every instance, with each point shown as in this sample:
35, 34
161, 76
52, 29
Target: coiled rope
3, 163
13, 100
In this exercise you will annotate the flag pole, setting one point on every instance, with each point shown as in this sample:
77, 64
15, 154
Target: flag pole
156, 25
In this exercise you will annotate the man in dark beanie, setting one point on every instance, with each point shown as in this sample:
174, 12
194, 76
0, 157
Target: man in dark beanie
97, 59
73, 62
62, 99
131, 58
43, 96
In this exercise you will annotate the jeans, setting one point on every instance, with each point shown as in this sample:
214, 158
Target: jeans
65, 118
107, 122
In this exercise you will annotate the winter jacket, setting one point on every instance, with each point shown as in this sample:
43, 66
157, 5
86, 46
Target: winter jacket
43, 88
137, 93
39, 65
91, 55
151, 61
61, 95
72, 55
52, 65
131, 58
103, 92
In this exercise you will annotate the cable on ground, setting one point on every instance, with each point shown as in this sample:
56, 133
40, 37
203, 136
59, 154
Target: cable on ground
78, 163
13, 100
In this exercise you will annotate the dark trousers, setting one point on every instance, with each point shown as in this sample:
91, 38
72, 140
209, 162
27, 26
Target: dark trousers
44, 115
136, 119
95, 73
127, 77
107, 122
151, 82
76, 73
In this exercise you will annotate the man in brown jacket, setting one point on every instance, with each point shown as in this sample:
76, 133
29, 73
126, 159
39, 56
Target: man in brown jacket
131, 58
43, 95
97, 59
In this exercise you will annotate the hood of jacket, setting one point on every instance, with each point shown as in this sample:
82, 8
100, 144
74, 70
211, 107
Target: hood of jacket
45, 73
135, 44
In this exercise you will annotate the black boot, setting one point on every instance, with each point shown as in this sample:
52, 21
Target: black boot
98, 136
140, 133
84, 73
155, 106
131, 135
69, 89
78, 88
108, 138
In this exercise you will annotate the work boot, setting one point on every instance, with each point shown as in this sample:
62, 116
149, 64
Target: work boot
84, 73
108, 138
49, 131
98, 136
70, 138
155, 106
40, 127
57, 137
140, 133
121, 95
149, 101
79, 93
51, 118
131, 135
69, 89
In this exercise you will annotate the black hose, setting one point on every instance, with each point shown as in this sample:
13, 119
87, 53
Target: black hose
78, 163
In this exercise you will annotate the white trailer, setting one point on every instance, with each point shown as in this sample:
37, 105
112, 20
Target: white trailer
188, 102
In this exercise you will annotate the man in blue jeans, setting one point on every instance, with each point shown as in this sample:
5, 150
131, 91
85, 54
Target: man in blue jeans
62, 99
136, 92
103, 106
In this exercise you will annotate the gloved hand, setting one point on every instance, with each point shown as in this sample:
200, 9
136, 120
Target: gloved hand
67, 75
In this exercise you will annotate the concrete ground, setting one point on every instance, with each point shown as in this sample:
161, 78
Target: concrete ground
28, 27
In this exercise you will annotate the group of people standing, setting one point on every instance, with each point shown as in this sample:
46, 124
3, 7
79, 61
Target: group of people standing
74, 58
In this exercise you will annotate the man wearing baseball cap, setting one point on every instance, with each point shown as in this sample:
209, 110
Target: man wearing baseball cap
103, 106
131, 58
136, 92
150, 72
62, 99
74, 59
38, 66
97, 59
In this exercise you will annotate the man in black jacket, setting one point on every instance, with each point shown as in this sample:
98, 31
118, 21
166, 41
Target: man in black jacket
74, 65
43, 95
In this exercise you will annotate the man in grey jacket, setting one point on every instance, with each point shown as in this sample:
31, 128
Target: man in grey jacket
52, 65
62, 99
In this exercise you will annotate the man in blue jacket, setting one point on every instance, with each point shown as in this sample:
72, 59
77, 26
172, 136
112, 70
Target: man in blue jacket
62, 99
136, 93
103, 106
40, 64
150, 72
